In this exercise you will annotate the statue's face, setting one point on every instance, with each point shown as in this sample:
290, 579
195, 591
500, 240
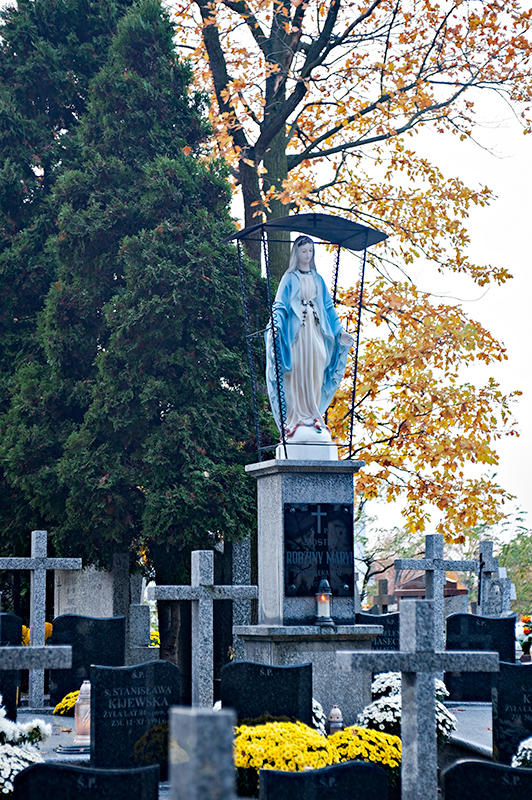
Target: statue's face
304, 255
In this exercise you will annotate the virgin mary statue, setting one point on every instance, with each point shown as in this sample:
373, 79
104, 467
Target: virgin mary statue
312, 348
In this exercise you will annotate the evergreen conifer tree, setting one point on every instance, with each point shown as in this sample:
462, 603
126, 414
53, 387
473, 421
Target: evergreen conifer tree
133, 428
48, 54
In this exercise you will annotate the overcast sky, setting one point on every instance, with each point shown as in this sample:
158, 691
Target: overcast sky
501, 234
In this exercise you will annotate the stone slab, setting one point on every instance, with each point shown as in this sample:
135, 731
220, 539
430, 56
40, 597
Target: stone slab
286, 645
88, 592
512, 709
356, 780
52, 781
472, 632
94, 641
389, 638
429, 662
129, 714
478, 780
257, 690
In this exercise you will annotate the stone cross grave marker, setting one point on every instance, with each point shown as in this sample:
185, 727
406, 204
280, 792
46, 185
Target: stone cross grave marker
494, 586
38, 564
200, 754
418, 660
202, 593
382, 600
35, 658
435, 566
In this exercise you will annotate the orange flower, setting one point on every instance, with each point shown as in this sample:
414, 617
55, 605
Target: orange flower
526, 618
527, 630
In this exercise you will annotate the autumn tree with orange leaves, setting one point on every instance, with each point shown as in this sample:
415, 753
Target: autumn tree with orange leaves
315, 106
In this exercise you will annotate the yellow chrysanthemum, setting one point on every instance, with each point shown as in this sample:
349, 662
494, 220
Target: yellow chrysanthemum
288, 746
363, 744
67, 703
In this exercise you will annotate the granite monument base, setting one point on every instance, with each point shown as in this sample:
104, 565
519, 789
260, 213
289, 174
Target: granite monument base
305, 534
295, 644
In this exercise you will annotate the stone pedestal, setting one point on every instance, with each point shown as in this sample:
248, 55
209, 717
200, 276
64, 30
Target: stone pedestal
283, 485
295, 644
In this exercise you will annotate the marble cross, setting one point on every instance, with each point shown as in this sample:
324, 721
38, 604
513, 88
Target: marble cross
38, 564
418, 660
435, 566
202, 592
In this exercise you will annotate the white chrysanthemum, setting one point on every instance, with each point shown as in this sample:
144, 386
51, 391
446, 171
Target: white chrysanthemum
13, 759
318, 717
389, 683
523, 757
384, 714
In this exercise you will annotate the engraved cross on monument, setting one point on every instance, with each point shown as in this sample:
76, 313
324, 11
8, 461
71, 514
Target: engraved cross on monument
202, 592
435, 566
38, 564
418, 660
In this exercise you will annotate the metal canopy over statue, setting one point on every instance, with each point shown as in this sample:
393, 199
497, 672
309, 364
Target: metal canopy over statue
306, 346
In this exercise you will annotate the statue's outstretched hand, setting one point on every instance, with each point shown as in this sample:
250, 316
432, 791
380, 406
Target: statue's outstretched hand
346, 339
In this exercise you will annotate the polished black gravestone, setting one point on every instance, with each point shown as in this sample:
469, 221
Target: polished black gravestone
129, 714
471, 632
259, 691
318, 544
355, 780
10, 634
512, 709
94, 641
389, 638
53, 781
479, 780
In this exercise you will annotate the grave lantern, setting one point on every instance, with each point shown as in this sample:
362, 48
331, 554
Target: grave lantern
336, 720
82, 715
323, 604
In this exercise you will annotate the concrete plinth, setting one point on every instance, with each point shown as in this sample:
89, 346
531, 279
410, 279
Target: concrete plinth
294, 644
282, 482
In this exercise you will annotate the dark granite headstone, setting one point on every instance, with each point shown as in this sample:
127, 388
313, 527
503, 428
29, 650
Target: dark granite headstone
318, 544
10, 634
479, 780
260, 690
356, 780
512, 709
94, 641
129, 714
389, 638
53, 781
471, 632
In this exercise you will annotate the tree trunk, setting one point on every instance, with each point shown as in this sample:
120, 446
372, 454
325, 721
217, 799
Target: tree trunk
278, 241
175, 640
249, 182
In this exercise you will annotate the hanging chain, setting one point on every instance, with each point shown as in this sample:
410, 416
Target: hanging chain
356, 345
249, 349
276, 358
